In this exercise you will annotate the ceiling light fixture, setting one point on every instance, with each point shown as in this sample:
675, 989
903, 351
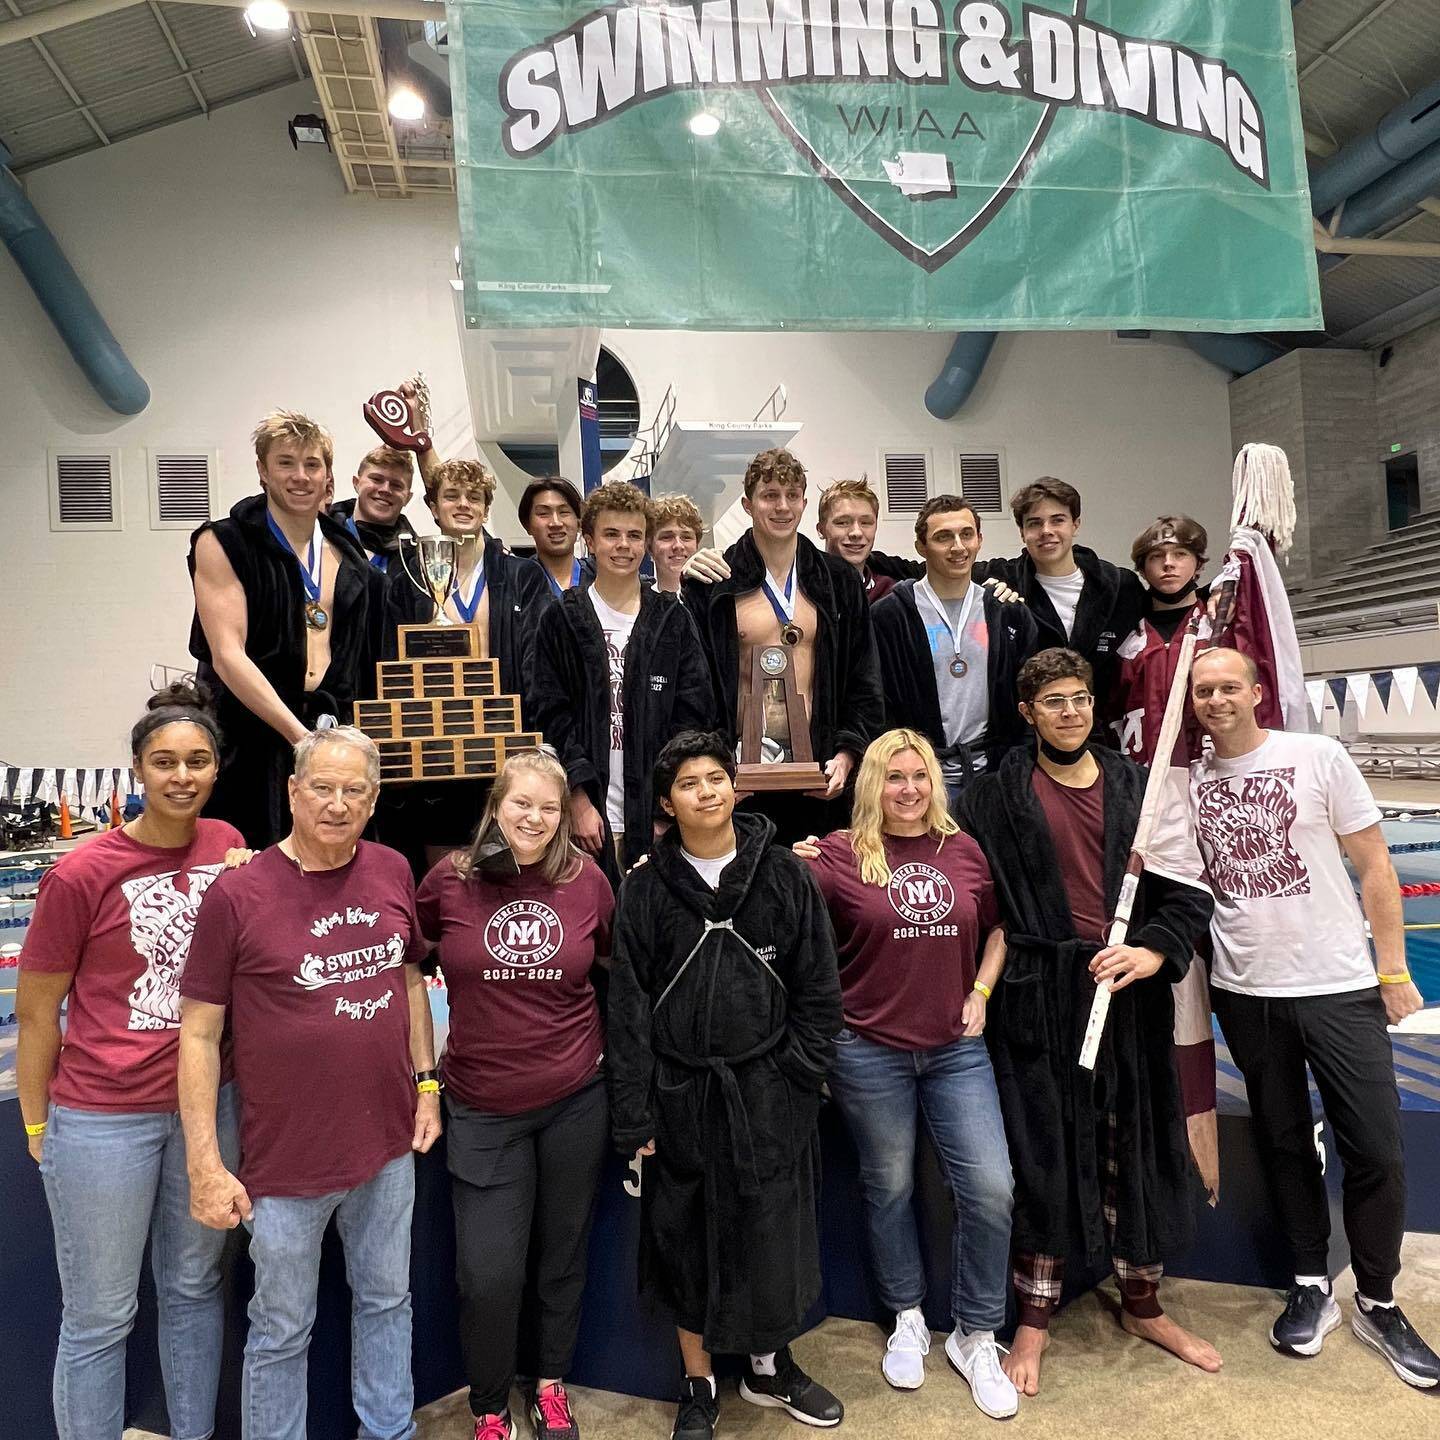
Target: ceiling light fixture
704, 124
267, 15
405, 104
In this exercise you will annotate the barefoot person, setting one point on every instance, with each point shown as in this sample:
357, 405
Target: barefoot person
1056, 822
111, 933
1294, 985
921, 951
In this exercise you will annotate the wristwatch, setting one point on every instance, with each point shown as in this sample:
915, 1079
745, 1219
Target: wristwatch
427, 1078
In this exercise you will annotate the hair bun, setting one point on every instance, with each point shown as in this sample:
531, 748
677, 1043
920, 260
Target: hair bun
188, 693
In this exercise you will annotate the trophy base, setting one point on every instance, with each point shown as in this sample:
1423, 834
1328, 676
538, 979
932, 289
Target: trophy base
784, 775
441, 642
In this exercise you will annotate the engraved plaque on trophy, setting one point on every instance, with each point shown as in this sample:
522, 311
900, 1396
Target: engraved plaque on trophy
774, 721
441, 636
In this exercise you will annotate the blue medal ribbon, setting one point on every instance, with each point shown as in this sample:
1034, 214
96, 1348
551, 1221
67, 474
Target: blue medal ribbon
467, 611
550, 579
378, 561
314, 557
784, 613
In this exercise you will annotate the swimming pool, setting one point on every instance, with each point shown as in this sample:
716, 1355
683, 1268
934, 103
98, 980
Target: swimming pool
1422, 947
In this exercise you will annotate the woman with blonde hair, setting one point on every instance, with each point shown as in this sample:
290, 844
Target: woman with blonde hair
921, 949
521, 918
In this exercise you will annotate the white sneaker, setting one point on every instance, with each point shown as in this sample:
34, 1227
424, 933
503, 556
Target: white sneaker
905, 1351
977, 1357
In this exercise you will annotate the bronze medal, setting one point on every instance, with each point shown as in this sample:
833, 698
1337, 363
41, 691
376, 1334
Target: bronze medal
958, 668
791, 634
315, 615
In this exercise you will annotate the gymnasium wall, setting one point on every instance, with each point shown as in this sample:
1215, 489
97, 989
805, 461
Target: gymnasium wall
239, 276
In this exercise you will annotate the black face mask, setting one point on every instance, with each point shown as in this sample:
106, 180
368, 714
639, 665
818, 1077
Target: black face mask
1057, 756
493, 858
378, 539
1188, 593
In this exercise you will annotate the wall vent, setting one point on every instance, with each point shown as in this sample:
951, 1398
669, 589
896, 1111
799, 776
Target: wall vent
84, 489
907, 481
981, 481
182, 488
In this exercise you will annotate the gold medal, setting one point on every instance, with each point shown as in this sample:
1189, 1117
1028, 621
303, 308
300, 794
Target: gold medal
315, 615
791, 634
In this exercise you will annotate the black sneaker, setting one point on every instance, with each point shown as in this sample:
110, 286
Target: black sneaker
1310, 1315
1386, 1329
699, 1410
790, 1388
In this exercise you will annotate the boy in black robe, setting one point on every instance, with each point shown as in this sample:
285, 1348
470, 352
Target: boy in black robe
724, 1001
1056, 822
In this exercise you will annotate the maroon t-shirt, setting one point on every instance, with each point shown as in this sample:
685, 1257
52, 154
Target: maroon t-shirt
516, 954
1077, 827
120, 915
312, 966
908, 950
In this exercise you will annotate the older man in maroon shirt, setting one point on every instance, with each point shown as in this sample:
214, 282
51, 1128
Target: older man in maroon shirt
311, 953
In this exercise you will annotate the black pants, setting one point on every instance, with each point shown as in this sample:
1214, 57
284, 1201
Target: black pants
1344, 1041
524, 1192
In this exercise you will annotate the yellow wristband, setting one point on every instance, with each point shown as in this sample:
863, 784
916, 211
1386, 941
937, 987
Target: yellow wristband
983, 988
1403, 978
427, 1087
33, 1130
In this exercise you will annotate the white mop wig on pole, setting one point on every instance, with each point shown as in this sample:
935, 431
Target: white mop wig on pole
1264, 494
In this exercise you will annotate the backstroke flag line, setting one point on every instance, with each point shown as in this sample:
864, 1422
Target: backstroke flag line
882, 164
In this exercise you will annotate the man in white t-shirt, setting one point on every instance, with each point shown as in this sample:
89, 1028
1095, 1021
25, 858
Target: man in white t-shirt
618, 670
1294, 983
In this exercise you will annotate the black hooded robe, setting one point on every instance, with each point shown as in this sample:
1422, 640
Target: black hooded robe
722, 1012
1052, 1108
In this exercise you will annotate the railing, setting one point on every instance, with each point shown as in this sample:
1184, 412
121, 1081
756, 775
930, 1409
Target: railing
1394, 762
1408, 615
651, 440
774, 405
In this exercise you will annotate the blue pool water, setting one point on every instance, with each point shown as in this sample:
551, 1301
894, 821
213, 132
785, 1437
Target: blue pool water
1422, 947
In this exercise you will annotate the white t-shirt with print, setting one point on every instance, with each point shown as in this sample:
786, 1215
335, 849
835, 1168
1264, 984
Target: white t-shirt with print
1287, 920
1064, 592
617, 628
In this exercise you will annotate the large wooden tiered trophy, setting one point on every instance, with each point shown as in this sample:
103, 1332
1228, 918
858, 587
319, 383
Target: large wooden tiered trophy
439, 714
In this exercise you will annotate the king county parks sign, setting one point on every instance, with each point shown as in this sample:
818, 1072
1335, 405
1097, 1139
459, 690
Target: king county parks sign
882, 164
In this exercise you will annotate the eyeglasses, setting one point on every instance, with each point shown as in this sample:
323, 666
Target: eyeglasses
1058, 704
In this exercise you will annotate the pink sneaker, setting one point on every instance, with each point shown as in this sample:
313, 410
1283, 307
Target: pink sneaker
495, 1427
550, 1415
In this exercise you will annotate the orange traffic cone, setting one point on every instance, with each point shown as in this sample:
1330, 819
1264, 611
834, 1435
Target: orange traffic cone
66, 830
115, 809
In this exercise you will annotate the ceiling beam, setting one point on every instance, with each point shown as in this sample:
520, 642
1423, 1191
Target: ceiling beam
179, 55
1409, 315
61, 77
75, 12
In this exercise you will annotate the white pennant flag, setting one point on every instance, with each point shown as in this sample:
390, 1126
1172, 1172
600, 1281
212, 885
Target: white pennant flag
1315, 690
1405, 681
1359, 686
89, 787
47, 789
24, 785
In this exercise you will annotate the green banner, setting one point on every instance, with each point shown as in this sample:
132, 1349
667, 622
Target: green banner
882, 164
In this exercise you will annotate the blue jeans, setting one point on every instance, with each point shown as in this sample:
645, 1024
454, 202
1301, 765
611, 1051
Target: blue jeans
285, 1235
112, 1180
881, 1092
